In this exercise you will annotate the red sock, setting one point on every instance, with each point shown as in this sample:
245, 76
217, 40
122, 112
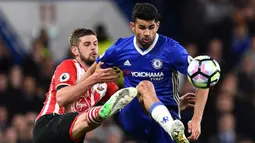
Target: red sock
93, 117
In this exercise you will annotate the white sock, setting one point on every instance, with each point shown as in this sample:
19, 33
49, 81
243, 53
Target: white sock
160, 113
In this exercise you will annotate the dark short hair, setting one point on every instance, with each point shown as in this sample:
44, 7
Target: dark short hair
77, 34
145, 11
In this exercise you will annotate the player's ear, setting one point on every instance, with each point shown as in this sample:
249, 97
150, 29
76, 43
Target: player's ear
74, 50
157, 23
132, 26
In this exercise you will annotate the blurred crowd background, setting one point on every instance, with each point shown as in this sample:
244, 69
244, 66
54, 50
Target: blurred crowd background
222, 29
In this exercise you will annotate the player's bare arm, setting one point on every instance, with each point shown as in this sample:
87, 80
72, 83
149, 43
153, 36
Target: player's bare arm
194, 126
69, 94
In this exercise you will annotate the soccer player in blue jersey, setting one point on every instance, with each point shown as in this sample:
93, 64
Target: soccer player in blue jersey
150, 62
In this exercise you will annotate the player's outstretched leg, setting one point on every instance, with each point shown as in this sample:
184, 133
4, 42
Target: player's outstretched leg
118, 101
94, 116
158, 111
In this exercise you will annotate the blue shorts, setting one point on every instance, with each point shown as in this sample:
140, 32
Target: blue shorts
141, 126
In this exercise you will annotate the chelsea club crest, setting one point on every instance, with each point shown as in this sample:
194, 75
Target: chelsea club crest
157, 64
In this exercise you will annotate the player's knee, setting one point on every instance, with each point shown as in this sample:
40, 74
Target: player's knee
145, 88
77, 124
145, 85
145, 82
80, 127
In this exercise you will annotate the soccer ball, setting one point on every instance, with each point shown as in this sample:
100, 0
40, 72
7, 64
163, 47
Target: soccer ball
203, 72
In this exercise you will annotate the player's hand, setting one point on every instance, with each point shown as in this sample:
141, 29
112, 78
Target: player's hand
105, 75
91, 69
194, 128
187, 100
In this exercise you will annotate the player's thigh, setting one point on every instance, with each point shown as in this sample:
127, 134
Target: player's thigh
42, 129
133, 119
55, 128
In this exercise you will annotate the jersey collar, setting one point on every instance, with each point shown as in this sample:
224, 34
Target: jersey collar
147, 50
85, 69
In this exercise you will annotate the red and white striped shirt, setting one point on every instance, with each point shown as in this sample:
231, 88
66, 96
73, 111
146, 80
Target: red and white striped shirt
69, 72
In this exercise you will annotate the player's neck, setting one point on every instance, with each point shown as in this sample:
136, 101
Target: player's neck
140, 46
83, 64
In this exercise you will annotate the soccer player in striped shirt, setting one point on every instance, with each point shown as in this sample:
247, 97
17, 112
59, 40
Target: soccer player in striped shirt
69, 110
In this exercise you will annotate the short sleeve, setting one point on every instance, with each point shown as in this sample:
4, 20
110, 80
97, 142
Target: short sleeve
109, 56
180, 58
65, 74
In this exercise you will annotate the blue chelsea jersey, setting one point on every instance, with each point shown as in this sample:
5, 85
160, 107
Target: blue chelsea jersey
158, 64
